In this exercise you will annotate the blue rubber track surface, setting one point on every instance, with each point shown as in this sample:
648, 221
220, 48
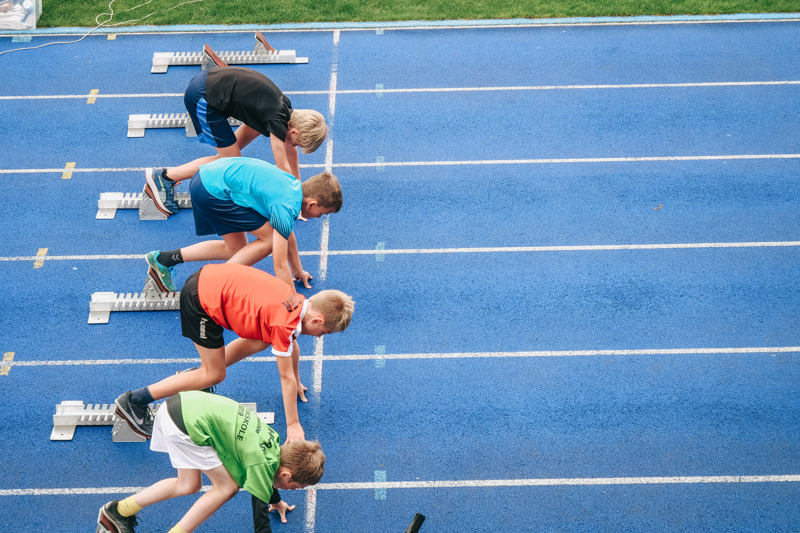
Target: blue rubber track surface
573, 248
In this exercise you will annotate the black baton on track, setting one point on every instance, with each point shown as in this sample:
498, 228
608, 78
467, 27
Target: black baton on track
415, 524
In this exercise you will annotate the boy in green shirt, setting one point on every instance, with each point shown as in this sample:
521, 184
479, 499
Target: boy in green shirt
216, 436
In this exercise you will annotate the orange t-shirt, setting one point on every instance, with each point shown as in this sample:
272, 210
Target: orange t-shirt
252, 303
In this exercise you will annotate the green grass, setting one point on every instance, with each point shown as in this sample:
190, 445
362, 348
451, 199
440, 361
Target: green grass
67, 13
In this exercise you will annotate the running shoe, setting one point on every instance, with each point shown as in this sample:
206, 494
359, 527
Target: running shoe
138, 417
113, 522
160, 190
161, 275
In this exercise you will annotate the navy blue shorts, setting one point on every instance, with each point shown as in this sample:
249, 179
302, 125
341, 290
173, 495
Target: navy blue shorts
211, 126
215, 216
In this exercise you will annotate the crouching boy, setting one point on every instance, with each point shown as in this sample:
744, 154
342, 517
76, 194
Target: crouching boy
216, 436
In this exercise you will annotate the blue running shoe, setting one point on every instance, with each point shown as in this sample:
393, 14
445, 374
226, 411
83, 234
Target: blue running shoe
161, 275
161, 191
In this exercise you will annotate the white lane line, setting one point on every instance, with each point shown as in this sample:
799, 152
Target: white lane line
743, 350
127, 95
411, 90
471, 250
324, 239
539, 161
384, 90
468, 483
559, 482
574, 160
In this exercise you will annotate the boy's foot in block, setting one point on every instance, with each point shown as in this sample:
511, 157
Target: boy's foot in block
160, 190
114, 522
161, 275
138, 417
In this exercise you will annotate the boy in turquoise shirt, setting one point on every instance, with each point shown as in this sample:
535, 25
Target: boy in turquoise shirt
234, 196
216, 436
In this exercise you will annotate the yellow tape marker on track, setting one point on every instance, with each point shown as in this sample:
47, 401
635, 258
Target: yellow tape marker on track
8, 358
68, 171
92, 98
112, 36
39, 262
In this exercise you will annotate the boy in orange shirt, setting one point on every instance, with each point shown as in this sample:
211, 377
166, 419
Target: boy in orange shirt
263, 311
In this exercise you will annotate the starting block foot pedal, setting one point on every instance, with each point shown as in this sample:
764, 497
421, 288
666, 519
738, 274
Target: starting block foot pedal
149, 211
211, 59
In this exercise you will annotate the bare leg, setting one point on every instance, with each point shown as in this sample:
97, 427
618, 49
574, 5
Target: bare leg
245, 135
223, 488
187, 482
187, 170
240, 348
211, 372
256, 250
215, 249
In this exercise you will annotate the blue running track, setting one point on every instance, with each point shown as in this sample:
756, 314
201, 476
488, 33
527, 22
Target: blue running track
574, 250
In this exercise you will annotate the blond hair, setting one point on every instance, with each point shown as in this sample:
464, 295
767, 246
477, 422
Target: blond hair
305, 460
335, 306
325, 189
312, 127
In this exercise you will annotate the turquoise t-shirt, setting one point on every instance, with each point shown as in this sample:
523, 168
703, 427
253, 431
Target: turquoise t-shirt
248, 448
261, 186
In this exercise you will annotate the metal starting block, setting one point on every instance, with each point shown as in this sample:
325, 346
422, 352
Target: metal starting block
109, 202
150, 299
262, 53
138, 123
71, 414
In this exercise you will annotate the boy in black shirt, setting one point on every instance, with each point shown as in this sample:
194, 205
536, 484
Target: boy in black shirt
249, 96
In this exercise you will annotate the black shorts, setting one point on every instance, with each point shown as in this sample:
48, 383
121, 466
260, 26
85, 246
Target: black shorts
195, 322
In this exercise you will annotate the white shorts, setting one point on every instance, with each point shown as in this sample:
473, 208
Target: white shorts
183, 453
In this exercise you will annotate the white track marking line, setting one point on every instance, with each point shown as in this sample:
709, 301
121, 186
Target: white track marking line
539, 161
476, 250
742, 350
411, 90
468, 483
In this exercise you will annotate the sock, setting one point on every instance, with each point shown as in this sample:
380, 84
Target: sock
141, 396
170, 258
164, 175
176, 529
128, 507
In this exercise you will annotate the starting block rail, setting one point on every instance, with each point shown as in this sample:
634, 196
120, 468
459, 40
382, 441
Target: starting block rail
104, 303
262, 53
71, 414
137, 124
109, 202
150, 299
